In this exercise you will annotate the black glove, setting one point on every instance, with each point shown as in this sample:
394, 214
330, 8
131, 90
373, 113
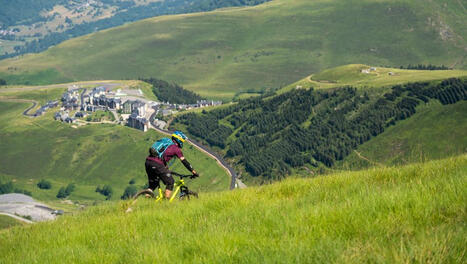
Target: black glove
195, 175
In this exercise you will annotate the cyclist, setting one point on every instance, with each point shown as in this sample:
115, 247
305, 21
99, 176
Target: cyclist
157, 168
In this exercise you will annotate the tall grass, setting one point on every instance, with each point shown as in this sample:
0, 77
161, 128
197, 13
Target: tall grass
403, 214
7, 222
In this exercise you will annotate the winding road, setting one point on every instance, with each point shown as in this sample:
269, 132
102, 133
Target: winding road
25, 112
233, 175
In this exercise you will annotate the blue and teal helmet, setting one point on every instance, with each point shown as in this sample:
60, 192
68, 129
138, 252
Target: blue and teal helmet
179, 137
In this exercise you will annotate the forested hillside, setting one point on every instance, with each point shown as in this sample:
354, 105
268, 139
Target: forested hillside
267, 136
172, 92
225, 53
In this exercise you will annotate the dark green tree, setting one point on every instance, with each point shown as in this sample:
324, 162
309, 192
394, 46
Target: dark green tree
44, 184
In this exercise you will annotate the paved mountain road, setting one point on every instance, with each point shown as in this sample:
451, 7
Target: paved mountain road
235, 182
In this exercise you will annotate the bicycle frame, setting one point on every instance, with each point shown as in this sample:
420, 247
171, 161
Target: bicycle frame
178, 185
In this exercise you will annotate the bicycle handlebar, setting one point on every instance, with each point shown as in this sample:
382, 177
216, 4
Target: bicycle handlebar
181, 175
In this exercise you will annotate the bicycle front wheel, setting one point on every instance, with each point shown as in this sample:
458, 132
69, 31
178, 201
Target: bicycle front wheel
187, 195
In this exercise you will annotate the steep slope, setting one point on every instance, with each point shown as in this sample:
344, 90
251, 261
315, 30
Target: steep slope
434, 132
390, 215
222, 53
32, 149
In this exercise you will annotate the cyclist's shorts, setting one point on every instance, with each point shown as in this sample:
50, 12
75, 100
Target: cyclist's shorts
157, 172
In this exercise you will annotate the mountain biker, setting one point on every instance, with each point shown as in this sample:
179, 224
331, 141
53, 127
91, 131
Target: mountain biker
157, 168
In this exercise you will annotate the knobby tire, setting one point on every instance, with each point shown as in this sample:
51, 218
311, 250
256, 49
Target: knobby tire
188, 195
144, 193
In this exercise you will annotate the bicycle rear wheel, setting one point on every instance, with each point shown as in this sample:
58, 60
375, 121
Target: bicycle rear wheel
144, 193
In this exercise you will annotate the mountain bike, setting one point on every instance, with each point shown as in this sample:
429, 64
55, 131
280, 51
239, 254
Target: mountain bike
180, 189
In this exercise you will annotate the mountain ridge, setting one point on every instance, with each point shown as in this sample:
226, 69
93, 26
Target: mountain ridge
255, 49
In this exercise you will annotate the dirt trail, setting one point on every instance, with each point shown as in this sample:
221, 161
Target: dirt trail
364, 158
460, 3
18, 218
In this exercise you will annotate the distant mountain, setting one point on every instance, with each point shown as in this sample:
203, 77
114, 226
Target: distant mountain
257, 49
34, 25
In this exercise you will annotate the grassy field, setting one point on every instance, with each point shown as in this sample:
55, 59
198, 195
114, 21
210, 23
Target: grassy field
434, 132
41, 96
386, 215
223, 53
32, 149
99, 116
7, 222
351, 75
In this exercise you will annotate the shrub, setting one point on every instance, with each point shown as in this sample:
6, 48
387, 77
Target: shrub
10, 188
62, 193
129, 192
70, 188
44, 184
106, 191
6, 187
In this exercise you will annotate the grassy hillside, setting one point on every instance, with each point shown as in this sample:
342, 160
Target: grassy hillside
7, 222
41, 148
434, 132
352, 75
226, 52
386, 215
18, 91
36, 25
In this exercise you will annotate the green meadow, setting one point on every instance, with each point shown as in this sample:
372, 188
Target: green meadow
352, 75
7, 222
435, 131
32, 149
225, 53
409, 214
